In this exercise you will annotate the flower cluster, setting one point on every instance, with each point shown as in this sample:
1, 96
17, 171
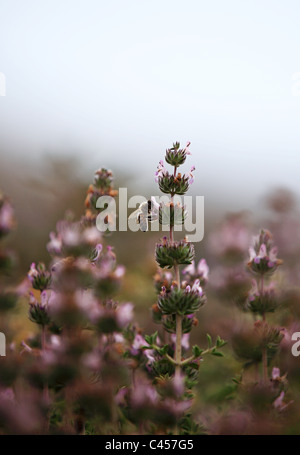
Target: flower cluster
177, 156
263, 255
103, 186
39, 277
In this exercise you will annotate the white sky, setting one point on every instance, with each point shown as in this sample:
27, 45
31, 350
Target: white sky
118, 81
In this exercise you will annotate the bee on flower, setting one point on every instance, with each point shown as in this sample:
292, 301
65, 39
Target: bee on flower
147, 212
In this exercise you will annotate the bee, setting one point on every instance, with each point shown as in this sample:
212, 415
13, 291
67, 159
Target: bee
146, 212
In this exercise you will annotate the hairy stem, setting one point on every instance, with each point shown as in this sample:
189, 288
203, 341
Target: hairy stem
177, 355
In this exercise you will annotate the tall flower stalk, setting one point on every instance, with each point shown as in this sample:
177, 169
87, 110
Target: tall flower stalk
258, 344
263, 263
178, 299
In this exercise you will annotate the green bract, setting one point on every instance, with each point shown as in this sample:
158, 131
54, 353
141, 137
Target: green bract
173, 185
168, 254
179, 301
39, 314
171, 215
42, 280
266, 303
263, 267
249, 344
175, 157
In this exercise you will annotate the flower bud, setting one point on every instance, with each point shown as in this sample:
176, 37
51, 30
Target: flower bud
39, 276
38, 312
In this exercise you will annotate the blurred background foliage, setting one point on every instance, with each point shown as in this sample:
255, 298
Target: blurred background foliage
42, 196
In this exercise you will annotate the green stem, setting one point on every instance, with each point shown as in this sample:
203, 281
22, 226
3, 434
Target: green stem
192, 357
188, 359
177, 354
178, 345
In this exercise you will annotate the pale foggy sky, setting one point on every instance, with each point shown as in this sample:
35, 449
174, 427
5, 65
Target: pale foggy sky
117, 82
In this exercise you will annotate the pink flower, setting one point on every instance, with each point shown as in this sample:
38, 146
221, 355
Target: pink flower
189, 269
261, 254
273, 257
275, 373
253, 293
252, 253
6, 217
185, 340
91, 236
33, 273
178, 384
278, 403
119, 272
190, 175
161, 171
54, 247
124, 314
203, 269
98, 249
45, 299
144, 393
186, 150
197, 288
138, 343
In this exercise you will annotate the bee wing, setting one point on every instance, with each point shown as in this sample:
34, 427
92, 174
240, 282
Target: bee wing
135, 215
143, 220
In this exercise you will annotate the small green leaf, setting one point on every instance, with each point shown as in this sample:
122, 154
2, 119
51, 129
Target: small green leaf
154, 337
209, 340
218, 342
197, 351
163, 350
148, 338
217, 353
